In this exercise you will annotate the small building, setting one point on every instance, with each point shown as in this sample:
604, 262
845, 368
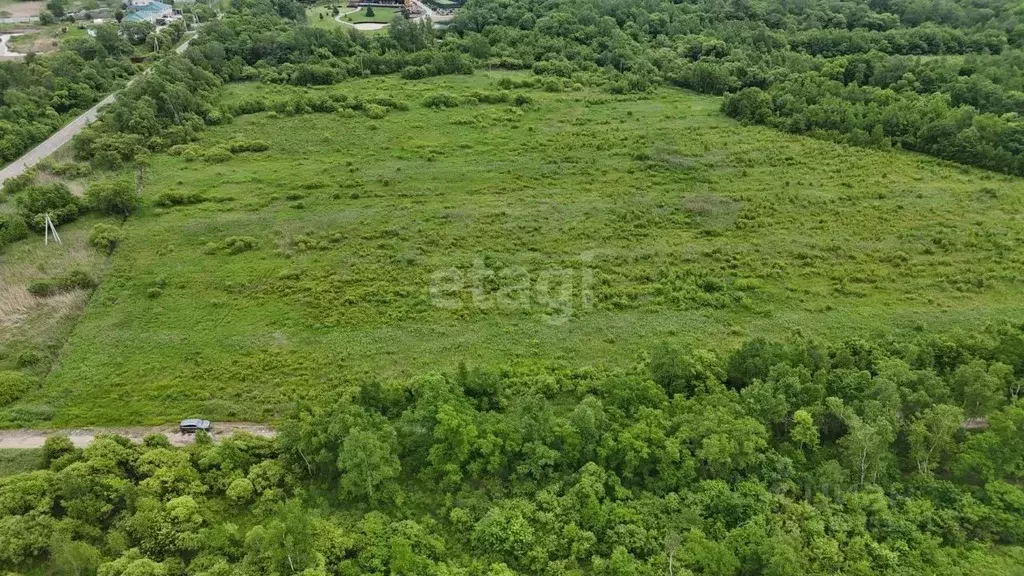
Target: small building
148, 11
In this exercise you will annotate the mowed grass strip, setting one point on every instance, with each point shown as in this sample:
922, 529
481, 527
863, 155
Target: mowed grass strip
581, 229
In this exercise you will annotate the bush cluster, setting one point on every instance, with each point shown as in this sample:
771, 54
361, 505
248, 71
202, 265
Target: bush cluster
116, 197
19, 183
238, 146
73, 280
54, 199
232, 245
14, 385
105, 237
441, 100
217, 154
174, 198
12, 229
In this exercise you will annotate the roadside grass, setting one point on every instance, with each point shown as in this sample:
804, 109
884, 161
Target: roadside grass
581, 229
17, 460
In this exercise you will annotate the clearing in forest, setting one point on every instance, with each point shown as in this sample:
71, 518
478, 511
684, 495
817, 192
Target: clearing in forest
547, 226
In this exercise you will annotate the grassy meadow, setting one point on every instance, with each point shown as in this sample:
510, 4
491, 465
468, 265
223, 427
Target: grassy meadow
380, 15
582, 229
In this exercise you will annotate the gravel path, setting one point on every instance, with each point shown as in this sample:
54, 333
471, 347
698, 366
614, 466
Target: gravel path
81, 437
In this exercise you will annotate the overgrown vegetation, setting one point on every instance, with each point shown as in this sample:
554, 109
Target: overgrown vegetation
781, 459
582, 228
842, 347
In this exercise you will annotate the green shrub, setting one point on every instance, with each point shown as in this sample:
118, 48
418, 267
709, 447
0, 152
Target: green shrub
30, 358
217, 154
168, 199
441, 100
232, 245
217, 117
12, 229
238, 146
491, 97
70, 169
54, 199
55, 448
105, 237
114, 197
240, 490
14, 385
521, 99
20, 182
375, 111
249, 105
183, 150
74, 280
414, 72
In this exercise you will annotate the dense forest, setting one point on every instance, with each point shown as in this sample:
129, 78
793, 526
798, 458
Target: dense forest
788, 459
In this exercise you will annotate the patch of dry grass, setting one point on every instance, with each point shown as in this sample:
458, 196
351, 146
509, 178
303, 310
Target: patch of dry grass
28, 322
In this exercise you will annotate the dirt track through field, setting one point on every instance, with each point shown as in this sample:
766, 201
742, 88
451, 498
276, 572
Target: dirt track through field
81, 437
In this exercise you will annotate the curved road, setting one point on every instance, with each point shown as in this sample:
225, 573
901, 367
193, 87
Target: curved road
65, 134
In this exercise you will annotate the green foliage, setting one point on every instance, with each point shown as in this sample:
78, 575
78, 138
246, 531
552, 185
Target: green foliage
106, 237
168, 199
18, 460
14, 385
12, 229
596, 469
54, 199
73, 280
217, 154
239, 146
232, 245
19, 183
240, 490
367, 461
441, 100
115, 197
58, 452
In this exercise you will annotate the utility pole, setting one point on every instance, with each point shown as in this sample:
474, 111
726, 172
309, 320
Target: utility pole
49, 228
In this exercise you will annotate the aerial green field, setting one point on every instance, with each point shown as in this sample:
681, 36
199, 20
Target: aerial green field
581, 227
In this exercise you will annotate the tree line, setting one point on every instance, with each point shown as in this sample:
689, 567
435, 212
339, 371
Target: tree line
779, 458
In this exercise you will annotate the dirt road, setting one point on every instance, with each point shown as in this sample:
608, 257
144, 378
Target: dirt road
65, 134
81, 437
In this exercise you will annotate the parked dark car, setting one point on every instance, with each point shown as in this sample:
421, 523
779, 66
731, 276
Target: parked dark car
192, 425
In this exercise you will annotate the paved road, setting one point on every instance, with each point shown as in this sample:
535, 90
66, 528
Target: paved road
65, 134
81, 437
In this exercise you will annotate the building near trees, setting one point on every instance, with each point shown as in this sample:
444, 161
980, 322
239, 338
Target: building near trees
148, 11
